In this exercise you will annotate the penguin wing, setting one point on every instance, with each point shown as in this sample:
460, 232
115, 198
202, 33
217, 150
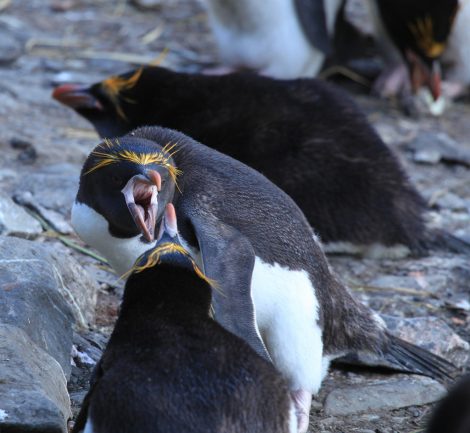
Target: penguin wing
228, 258
312, 17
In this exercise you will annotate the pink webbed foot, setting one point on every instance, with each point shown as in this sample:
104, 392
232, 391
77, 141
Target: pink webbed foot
302, 401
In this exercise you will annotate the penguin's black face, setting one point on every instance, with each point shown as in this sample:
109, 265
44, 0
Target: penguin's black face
129, 181
110, 105
168, 253
420, 29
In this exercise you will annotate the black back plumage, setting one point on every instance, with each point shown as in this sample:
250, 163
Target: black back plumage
168, 367
304, 135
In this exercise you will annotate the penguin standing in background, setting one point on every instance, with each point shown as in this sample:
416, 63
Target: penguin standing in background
412, 36
452, 414
168, 367
306, 136
456, 58
274, 286
277, 38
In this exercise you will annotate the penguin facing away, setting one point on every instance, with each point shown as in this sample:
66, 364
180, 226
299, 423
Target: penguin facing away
412, 35
306, 136
452, 414
276, 289
168, 367
457, 56
278, 38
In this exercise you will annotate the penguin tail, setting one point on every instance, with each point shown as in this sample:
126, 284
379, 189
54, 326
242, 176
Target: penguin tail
413, 359
442, 240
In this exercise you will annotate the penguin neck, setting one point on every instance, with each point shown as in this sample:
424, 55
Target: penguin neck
166, 293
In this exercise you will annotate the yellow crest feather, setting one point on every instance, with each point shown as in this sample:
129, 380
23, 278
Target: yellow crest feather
108, 153
155, 256
423, 32
114, 85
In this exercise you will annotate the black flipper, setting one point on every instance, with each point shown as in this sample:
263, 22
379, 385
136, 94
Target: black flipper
413, 359
228, 258
312, 17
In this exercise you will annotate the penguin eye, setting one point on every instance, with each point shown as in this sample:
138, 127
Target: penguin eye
117, 181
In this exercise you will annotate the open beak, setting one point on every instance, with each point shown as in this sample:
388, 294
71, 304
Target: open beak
76, 97
141, 194
422, 75
435, 80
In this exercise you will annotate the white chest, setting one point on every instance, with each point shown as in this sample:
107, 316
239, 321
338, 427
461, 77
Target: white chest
266, 36
287, 313
93, 229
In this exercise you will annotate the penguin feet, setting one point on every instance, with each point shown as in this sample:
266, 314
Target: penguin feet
302, 401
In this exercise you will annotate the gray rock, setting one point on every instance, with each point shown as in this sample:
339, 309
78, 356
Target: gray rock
106, 276
15, 221
430, 333
10, 46
392, 394
452, 201
431, 147
75, 284
53, 189
395, 282
86, 345
433, 334
427, 156
33, 389
56, 220
30, 298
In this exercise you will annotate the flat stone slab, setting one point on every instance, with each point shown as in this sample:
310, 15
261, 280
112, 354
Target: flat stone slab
431, 148
30, 298
33, 388
391, 394
76, 285
15, 221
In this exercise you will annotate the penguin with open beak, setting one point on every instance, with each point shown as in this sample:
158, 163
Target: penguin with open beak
168, 367
277, 38
306, 136
275, 288
412, 33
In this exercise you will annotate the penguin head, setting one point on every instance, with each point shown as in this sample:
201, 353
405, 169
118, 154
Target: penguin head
111, 105
168, 253
128, 181
420, 29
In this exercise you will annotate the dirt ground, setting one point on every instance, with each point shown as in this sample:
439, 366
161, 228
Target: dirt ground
87, 40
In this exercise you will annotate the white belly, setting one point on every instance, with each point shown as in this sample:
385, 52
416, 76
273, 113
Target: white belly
287, 317
273, 42
93, 229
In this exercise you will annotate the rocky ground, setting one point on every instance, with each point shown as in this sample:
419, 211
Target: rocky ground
48, 281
